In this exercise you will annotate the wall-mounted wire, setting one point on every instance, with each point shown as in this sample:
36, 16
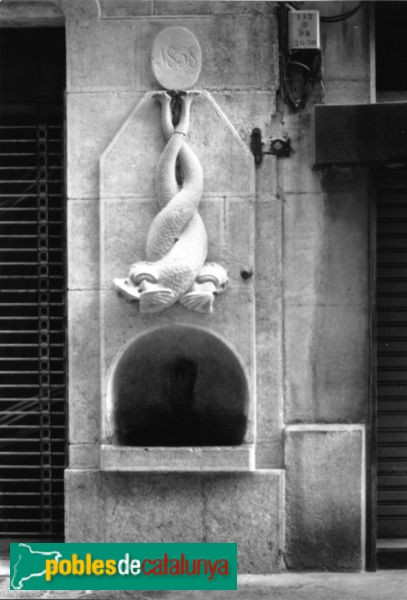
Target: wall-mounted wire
342, 16
331, 19
299, 69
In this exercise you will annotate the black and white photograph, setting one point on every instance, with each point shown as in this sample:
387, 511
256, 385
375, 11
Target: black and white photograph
203, 299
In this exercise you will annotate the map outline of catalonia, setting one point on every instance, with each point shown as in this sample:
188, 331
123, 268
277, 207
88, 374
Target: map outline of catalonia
52, 554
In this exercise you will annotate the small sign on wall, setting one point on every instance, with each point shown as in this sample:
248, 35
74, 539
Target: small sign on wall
303, 30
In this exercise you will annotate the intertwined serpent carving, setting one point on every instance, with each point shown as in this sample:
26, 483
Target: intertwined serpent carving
177, 245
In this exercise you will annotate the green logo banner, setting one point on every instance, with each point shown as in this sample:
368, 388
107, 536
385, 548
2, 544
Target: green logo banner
123, 566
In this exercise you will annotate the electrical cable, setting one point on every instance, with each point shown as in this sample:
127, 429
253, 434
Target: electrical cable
342, 16
300, 64
307, 66
334, 18
312, 71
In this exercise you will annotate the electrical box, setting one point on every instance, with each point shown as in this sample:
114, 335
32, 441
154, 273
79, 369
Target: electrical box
303, 30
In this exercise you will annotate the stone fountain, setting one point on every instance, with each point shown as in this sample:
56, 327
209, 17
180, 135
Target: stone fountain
178, 382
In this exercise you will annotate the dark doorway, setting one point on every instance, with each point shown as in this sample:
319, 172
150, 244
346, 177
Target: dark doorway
32, 285
391, 49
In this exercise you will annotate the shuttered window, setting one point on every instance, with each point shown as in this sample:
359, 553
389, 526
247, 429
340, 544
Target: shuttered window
32, 329
392, 353
32, 285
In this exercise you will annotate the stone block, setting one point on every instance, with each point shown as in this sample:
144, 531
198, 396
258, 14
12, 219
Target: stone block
324, 496
269, 366
124, 227
92, 120
236, 7
269, 246
84, 456
122, 9
127, 166
327, 363
297, 173
101, 54
269, 391
152, 508
29, 14
127, 169
345, 49
83, 247
82, 506
236, 53
226, 160
212, 211
340, 91
247, 110
247, 510
270, 452
75, 10
183, 7
238, 253
114, 53
267, 188
84, 370
182, 508
177, 459
326, 248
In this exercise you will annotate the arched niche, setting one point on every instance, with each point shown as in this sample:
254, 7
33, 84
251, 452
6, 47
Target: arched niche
178, 386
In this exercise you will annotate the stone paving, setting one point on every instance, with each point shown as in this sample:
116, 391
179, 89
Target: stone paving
382, 585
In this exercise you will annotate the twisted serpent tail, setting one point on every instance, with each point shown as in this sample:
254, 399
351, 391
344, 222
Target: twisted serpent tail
176, 245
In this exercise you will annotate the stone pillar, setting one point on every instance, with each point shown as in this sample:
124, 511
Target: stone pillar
233, 493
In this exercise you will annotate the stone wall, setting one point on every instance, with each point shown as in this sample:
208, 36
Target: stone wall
113, 148
302, 506
327, 320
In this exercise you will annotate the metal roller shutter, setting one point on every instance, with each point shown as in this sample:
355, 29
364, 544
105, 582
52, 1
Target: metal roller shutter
32, 328
392, 353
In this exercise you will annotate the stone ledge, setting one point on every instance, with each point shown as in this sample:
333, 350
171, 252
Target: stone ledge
188, 459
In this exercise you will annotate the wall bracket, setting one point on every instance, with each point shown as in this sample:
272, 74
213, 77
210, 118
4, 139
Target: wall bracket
280, 147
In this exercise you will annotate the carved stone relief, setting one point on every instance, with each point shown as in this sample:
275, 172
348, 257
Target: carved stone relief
176, 248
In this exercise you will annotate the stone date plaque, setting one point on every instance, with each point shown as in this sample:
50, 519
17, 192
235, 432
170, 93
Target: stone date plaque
176, 58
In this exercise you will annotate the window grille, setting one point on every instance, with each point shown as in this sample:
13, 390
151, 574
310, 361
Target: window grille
32, 329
